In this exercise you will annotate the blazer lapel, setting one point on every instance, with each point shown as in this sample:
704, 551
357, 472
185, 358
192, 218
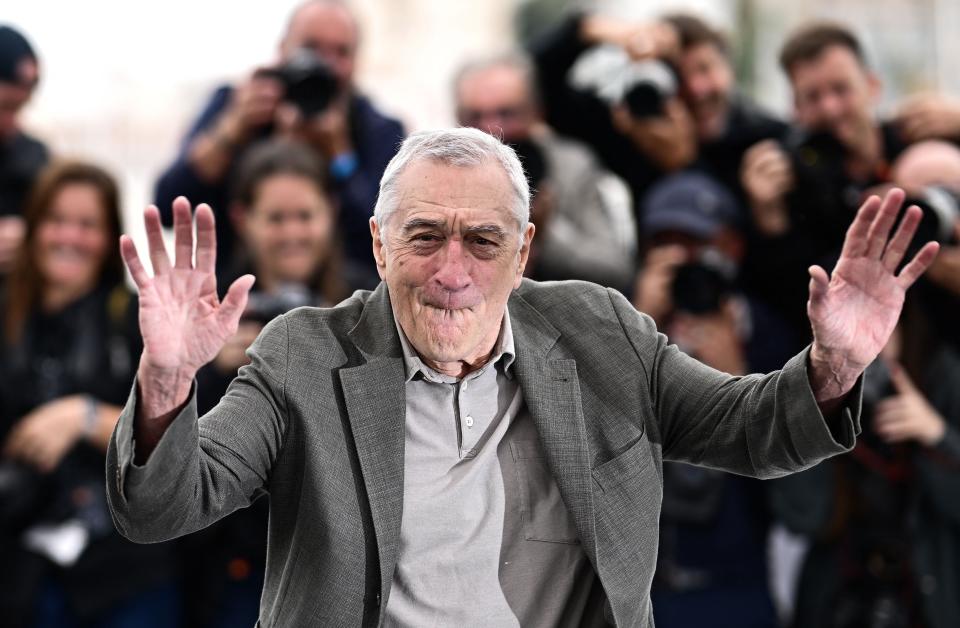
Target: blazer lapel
552, 393
376, 404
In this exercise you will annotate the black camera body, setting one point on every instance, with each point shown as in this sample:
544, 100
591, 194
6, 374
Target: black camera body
941, 212
308, 82
648, 87
702, 285
263, 307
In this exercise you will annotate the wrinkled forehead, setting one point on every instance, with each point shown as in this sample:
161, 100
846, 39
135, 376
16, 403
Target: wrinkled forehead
455, 195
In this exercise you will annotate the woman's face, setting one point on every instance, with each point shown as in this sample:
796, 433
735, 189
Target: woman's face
288, 229
73, 239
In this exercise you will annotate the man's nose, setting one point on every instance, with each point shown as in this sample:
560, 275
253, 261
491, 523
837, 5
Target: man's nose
454, 270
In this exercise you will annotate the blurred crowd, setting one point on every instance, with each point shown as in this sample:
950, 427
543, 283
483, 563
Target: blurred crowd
652, 173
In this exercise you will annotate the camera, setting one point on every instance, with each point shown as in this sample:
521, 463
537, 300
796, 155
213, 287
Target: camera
263, 307
643, 87
941, 211
309, 83
701, 286
23, 491
647, 87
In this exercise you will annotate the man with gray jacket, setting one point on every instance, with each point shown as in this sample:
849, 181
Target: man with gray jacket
462, 446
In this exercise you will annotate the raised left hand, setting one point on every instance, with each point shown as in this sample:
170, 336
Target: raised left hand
854, 310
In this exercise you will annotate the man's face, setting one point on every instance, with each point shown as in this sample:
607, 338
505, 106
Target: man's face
707, 80
496, 100
834, 92
330, 32
451, 253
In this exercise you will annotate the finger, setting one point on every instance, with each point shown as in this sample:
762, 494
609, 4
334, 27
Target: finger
158, 250
883, 222
897, 247
206, 239
234, 302
819, 283
918, 265
128, 251
901, 380
183, 233
855, 241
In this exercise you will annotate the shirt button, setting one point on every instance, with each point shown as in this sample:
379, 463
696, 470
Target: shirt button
469, 421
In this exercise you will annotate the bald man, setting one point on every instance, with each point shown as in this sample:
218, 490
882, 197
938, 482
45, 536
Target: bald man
355, 140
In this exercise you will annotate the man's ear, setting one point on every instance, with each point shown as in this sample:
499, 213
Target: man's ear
527, 240
379, 250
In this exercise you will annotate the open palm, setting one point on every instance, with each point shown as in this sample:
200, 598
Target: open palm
183, 322
854, 310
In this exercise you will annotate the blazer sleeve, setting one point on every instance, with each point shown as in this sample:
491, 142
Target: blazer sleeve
202, 470
757, 425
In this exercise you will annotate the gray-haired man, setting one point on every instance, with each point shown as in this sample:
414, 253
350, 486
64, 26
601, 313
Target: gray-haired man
461, 446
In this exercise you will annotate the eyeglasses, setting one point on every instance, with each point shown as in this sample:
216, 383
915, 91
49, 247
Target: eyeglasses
477, 117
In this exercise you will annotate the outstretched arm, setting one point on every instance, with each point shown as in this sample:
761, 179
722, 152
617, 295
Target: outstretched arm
182, 321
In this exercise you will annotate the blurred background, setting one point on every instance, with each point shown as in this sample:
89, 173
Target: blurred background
125, 96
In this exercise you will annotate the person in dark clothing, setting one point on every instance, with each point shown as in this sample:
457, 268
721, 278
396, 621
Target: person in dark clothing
883, 521
21, 156
639, 150
712, 563
69, 353
355, 140
727, 122
803, 192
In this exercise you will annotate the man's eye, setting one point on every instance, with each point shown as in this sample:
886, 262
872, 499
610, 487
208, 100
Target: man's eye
483, 241
425, 237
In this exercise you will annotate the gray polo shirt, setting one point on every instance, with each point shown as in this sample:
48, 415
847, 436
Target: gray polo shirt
485, 538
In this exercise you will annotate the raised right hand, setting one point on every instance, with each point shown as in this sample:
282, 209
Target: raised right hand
183, 322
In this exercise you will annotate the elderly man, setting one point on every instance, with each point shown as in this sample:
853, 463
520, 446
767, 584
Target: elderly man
462, 446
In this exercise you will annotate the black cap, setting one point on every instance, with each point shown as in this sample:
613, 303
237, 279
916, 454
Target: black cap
14, 50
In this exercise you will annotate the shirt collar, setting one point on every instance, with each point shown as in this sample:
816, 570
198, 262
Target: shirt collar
503, 354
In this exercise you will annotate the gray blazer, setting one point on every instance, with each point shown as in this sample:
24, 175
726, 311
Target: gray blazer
317, 421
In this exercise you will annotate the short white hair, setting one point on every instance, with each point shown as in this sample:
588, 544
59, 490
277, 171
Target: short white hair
462, 147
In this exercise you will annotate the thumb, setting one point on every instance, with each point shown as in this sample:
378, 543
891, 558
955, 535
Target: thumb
235, 301
900, 380
819, 283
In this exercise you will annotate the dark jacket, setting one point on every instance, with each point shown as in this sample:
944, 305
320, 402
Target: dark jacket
821, 504
90, 347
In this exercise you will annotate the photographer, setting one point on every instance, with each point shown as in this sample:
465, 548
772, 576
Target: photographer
285, 219
21, 156
583, 212
803, 192
727, 122
711, 570
308, 95
883, 521
640, 139
68, 356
